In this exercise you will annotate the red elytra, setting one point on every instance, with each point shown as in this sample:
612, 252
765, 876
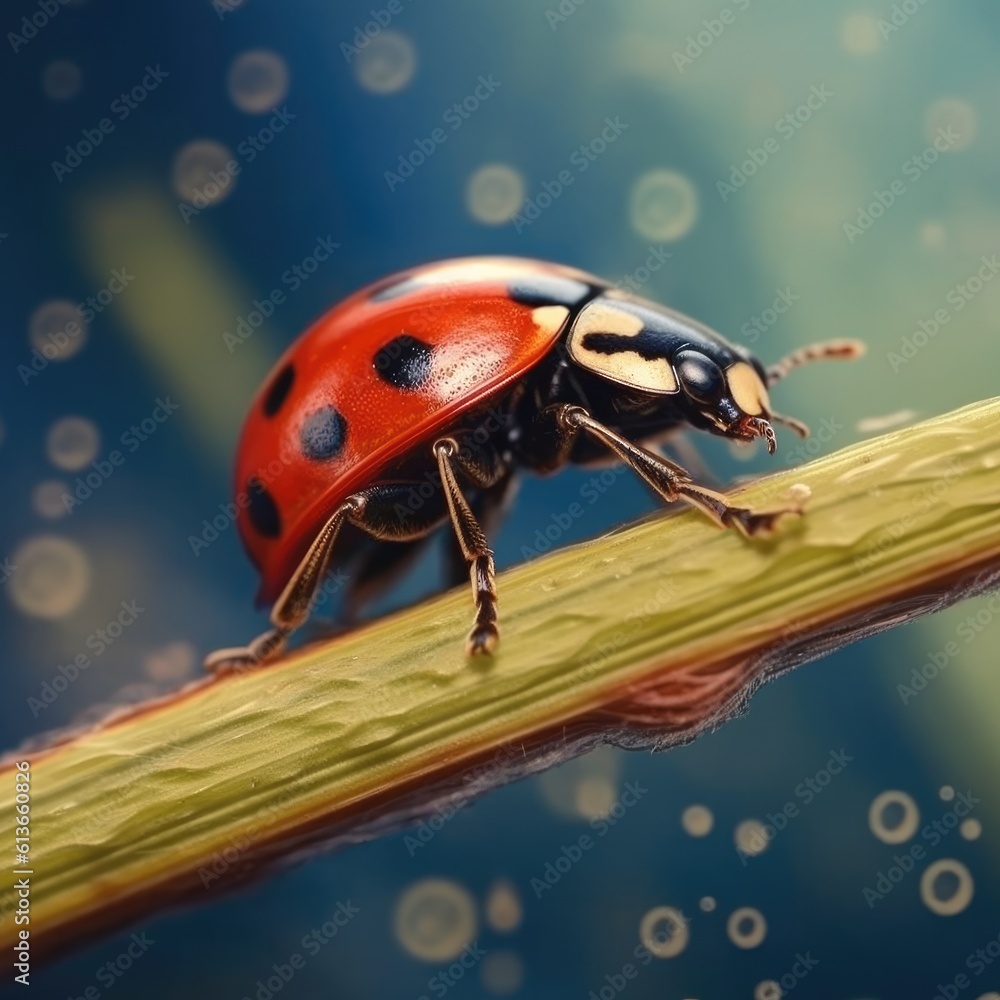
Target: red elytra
483, 340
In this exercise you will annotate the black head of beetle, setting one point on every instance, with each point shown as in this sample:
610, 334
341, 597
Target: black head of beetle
666, 368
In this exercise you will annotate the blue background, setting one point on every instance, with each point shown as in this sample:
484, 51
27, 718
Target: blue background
324, 175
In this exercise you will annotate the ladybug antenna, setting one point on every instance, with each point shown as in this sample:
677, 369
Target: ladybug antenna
844, 350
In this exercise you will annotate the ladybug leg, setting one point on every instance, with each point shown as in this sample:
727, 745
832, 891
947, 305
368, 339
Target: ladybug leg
292, 607
489, 509
483, 637
668, 479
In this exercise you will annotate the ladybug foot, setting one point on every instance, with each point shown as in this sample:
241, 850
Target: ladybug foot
236, 659
483, 640
751, 523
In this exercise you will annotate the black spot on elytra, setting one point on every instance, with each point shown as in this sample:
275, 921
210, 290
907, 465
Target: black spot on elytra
262, 509
278, 392
549, 290
650, 345
394, 288
323, 434
405, 362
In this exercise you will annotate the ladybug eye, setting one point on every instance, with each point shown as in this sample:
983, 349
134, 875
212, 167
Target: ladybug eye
699, 376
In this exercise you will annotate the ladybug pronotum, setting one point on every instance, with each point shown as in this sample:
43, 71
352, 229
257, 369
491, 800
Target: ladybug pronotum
462, 373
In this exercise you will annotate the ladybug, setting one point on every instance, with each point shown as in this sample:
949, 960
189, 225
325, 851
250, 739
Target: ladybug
417, 399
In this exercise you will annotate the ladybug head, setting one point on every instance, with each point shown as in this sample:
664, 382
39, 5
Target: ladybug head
656, 352
729, 396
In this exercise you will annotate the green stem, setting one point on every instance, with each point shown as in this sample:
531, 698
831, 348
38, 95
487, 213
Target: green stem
646, 636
